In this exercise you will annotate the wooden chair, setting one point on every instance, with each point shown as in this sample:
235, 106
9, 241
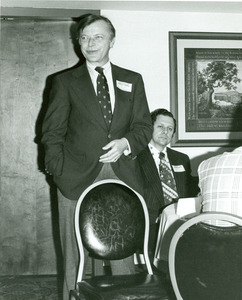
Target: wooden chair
205, 261
112, 223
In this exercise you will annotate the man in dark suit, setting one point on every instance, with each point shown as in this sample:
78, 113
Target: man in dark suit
164, 127
80, 146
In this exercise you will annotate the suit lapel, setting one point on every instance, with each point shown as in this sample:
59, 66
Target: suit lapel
117, 96
82, 84
150, 170
121, 109
174, 160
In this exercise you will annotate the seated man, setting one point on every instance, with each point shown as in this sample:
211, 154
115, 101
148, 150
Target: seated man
166, 172
220, 181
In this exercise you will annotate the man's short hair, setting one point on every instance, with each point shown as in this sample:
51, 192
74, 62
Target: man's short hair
164, 112
88, 19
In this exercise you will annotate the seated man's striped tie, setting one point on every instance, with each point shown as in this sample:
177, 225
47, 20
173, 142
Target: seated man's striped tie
167, 180
103, 96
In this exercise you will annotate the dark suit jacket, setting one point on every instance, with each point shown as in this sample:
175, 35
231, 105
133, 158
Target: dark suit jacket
74, 130
153, 193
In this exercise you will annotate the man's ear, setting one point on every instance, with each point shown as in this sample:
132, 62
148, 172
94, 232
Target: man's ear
112, 43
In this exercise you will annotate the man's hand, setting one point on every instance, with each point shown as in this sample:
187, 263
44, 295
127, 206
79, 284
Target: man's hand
116, 147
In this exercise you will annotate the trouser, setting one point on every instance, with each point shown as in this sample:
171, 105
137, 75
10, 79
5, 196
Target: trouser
66, 209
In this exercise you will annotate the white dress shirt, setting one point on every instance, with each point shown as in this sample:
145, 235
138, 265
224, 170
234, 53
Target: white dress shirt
155, 153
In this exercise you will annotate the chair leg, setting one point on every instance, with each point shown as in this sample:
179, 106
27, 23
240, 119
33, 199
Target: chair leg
76, 295
73, 295
97, 265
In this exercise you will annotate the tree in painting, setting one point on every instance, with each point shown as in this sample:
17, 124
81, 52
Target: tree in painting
216, 74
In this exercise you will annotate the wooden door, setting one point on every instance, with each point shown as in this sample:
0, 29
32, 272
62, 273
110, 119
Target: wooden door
31, 50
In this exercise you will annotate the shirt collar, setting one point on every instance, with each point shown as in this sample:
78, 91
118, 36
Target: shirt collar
91, 67
155, 151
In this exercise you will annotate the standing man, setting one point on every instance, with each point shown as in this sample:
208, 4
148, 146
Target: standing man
166, 172
96, 124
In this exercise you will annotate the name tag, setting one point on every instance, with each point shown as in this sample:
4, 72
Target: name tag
124, 86
178, 168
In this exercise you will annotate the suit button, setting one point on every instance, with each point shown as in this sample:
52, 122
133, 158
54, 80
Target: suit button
109, 136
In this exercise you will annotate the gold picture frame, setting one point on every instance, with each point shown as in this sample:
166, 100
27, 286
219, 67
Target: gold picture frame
206, 88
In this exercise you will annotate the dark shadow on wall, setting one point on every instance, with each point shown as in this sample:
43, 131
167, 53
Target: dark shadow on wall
234, 140
236, 130
195, 162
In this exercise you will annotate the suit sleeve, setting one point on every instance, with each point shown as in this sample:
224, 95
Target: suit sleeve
55, 127
141, 128
192, 181
185, 182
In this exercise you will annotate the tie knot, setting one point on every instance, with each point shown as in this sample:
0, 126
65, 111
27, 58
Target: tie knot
161, 155
99, 70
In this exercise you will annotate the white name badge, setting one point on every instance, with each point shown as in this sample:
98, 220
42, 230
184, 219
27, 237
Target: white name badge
124, 86
178, 168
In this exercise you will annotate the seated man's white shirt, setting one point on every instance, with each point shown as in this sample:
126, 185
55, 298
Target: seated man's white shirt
220, 181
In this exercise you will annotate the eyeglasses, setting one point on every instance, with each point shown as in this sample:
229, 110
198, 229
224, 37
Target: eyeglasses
84, 39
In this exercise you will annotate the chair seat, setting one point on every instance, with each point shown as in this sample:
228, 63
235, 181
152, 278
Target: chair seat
122, 287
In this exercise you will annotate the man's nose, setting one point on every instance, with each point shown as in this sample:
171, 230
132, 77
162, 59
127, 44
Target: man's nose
91, 41
164, 130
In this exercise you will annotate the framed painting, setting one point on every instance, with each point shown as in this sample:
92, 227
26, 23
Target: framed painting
206, 88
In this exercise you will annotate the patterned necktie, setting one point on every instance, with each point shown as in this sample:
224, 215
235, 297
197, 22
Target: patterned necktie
168, 181
103, 96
